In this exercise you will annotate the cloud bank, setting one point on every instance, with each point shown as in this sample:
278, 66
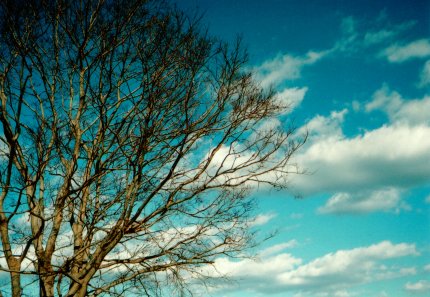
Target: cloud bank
278, 271
370, 171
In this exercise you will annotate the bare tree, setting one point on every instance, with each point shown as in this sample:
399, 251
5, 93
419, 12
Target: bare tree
129, 143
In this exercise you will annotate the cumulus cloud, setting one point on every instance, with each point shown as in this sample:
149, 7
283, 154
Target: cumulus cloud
277, 271
390, 156
340, 293
256, 275
398, 53
399, 109
345, 267
321, 127
368, 172
421, 287
380, 200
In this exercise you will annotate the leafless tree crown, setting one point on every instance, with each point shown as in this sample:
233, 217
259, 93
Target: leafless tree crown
129, 141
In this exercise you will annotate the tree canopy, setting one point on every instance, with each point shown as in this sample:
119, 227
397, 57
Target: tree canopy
129, 143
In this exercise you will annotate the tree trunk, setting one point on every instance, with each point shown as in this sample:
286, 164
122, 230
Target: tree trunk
78, 290
82, 292
47, 286
15, 277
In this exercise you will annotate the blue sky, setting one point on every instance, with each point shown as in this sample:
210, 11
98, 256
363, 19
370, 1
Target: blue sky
357, 76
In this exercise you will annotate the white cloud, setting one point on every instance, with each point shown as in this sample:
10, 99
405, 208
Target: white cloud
275, 249
368, 172
330, 275
250, 271
345, 267
349, 40
321, 127
291, 97
378, 36
359, 34
4, 151
399, 109
356, 106
425, 75
262, 219
390, 156
401, 53
422, 286
428, 201
427, 267
382, 35
385, 99
285, 67
234, 164
381, 200
340, 293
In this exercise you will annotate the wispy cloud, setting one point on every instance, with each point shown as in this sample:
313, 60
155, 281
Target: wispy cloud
291, 98
277, 248
399, 53
425, 75
365, 202
359, 34
285, 67
262, 219
420, 287
350, 39
377, 36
